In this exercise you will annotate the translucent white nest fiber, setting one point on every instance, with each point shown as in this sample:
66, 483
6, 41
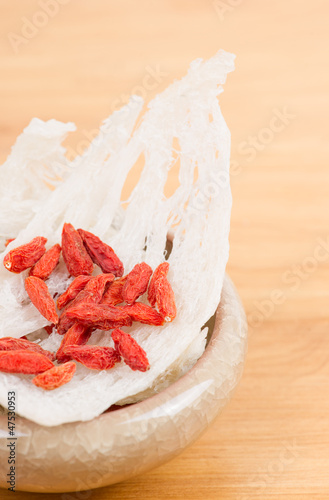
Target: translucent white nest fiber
183, 124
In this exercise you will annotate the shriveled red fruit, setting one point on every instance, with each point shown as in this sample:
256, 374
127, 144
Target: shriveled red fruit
75, 287
165, 299
76, 335
144, 314
64, 323
113, 295
75, 255
12, 344
49, 328
56, 376
39, 294
24, 361
101, 253
91, 294
102, 316
136, 282
131, 352
25, 256
161, 270
47, 263
95, 288
94, 357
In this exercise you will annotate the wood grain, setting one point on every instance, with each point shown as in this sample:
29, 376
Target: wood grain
272, 440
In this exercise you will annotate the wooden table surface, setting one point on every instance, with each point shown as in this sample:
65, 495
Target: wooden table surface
80, 61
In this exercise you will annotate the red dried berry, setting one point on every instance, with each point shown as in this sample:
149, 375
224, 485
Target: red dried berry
49, 328
24, 361
165, 299
45, 266
131, 352
12, 344
64, 323
102, 316
113, 295
144, 314
25, 256
94, 357
92, 294
101, 253
161, 270
75, 287
95, 288
75, 255
56, 376
136, 282
76, 335
47, 263
39, 294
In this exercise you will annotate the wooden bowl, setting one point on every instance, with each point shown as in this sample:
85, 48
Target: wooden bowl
134, 439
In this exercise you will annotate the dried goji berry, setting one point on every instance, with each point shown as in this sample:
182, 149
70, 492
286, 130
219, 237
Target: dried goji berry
64, 323
131, 352
39, 294
75, 255
76, 335
9, 241
49, 328
101, 253
161, 270
94, 357
25, 256
113, 295
102, 316
144, 314
56, 376
92, 294
165, 299
136, 282
95, 288
12, 344
24, 361
47, 263
75, 287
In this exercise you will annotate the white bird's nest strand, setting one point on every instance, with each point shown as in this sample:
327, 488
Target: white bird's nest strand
186, 114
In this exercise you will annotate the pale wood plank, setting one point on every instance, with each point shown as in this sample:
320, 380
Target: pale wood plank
93, 53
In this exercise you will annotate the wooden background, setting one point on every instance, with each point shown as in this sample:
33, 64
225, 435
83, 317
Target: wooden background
83, 61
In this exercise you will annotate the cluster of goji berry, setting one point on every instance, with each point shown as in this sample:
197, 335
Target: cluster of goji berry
106, 301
